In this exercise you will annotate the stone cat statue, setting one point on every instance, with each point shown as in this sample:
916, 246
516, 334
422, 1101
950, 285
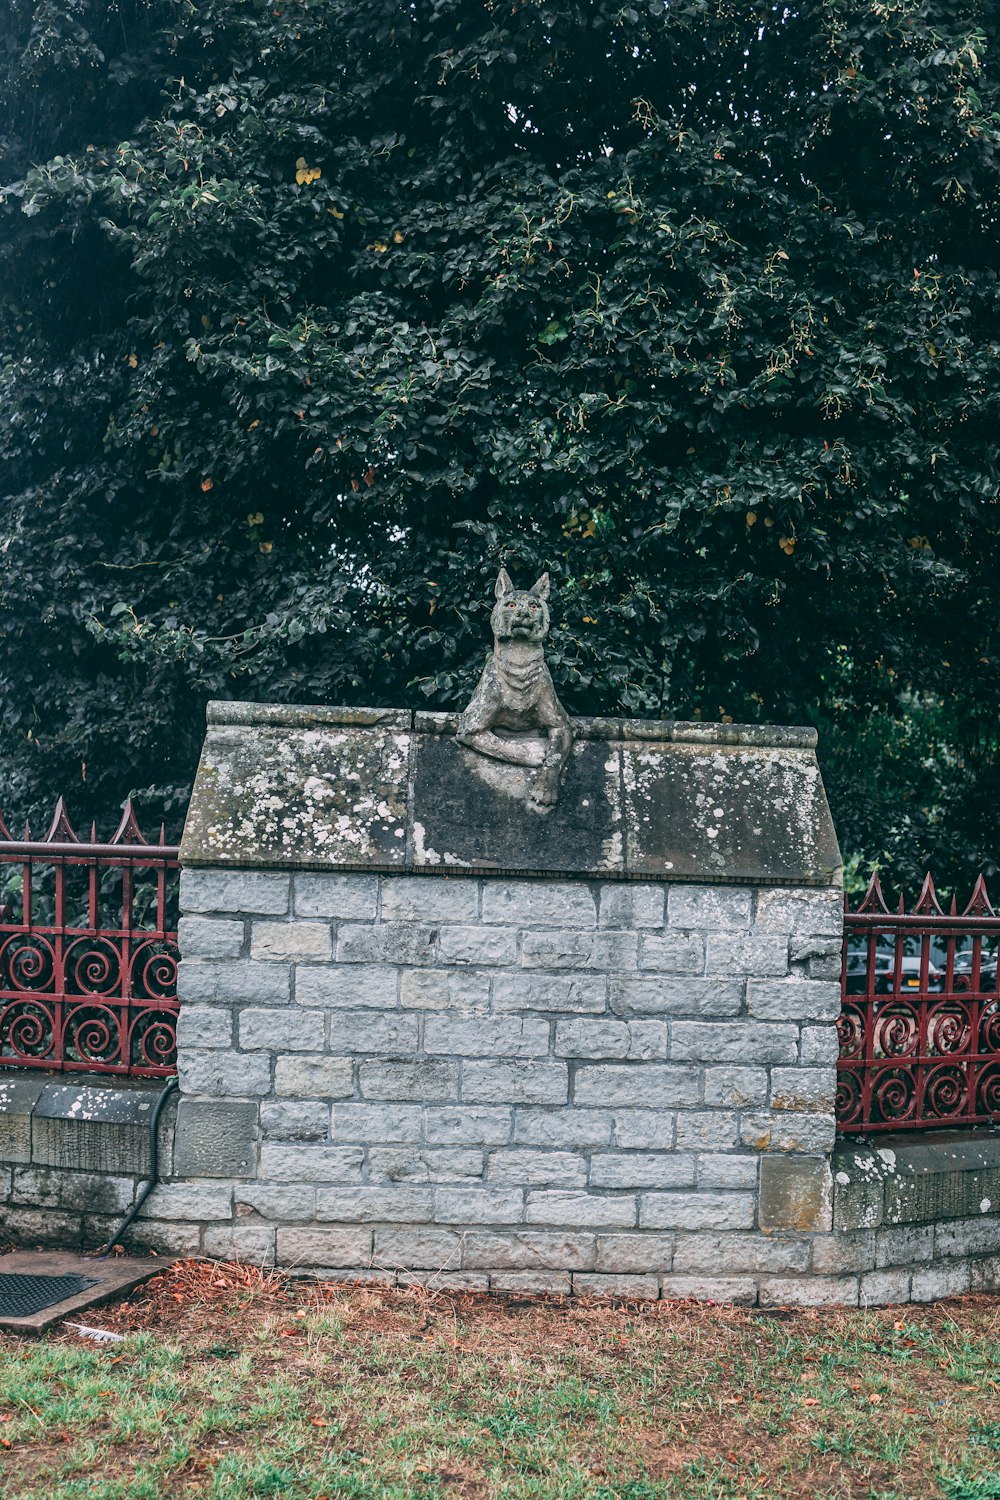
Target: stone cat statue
515, 693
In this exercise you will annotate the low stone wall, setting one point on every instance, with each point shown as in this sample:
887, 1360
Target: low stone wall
432, 1032
514, 1077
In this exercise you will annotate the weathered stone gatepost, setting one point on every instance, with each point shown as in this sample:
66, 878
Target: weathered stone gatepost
434, 1028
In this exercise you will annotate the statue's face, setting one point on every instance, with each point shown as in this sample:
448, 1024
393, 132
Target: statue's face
520, 615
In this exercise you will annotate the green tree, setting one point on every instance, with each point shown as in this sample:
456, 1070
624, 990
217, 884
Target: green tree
313, 313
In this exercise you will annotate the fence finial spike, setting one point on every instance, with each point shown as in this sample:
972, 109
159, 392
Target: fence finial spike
93, 833
874, 899
979, 902
927, 901
163, 833
61, 829
128, 830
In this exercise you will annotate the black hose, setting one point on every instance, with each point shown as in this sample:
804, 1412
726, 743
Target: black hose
154, 1164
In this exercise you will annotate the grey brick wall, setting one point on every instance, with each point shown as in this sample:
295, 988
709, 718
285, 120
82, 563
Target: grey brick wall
564, 1086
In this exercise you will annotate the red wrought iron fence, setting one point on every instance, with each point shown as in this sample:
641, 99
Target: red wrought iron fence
920, 1014
88, 951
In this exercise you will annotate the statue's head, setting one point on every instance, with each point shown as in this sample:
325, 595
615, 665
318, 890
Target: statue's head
520, 614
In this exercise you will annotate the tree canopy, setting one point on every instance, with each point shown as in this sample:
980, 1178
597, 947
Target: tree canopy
314, 313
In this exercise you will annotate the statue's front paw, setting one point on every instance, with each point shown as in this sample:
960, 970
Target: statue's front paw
545, 792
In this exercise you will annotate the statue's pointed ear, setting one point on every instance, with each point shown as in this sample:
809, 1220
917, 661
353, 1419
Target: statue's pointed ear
504, 585
541, 588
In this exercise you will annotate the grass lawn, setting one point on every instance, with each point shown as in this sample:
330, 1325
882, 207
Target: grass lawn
232, 1384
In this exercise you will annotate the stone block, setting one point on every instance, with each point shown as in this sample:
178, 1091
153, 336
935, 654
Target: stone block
531, 1284
708, 907
629, 1253
224, 1074
695, 1210
649, 1040
214, 981
984, 1275
812, 1090
367, 986
215, 1138
755, 953
487, 1036
189, 1200
632, 906
253, 1243
445, 989
793, 999
274, 1200
580, 1210
415, 898
386, 943
712, 1253
959, 1237
445, 1281
835, 1254
529, 1250
313, 1077
418, 1248
529, 903
728, 1171
478, 1205
573, 948
204, 1026
588, 1038
386, 1203
556, 993
645, 1129
282, 1030
930, 1283
253, 892
467, 1125
904, 1245
821, 957
675, 997
32, 1227
920, 1195
582, 1129
515, 1082
744, 1042
734, 1291
372, 1031
310, 1163
654, 1085
376, 1122
423, 1164
294, 1120
884, 1288
705, 1130
808, 1291
210, 937
641, 1170
18, 1095
734, 1087
537, 1168
796, 1192
79, 1192
294, 942
346, 898
820, 1045
672, 952
810, 1134
478, 946
324, 1247
812, 912
621, 1288
417, 1079
158, 1236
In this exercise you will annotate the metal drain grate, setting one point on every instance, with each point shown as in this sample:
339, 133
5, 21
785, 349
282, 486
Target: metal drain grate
21, 1296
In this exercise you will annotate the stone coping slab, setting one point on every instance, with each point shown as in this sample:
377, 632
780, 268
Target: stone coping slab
319, 788
113, 1278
